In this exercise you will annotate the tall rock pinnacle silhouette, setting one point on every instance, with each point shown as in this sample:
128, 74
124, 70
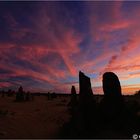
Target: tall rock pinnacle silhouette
112, 103
85, 86
20, 94
86, 103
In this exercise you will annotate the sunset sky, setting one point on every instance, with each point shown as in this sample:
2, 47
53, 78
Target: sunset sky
43, 45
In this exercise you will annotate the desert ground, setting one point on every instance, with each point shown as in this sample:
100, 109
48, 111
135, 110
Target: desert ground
40, 118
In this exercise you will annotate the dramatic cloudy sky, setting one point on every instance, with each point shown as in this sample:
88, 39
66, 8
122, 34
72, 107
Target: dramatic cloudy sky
43, 45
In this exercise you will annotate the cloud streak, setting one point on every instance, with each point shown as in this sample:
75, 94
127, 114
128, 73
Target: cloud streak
45, 50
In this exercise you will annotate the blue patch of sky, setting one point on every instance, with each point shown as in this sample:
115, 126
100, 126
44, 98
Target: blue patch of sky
120, 36
75, 15
17, 11
20, 78
38, 85
28, 81
92, 75
4, 71
85, 43
120, 40
4, 31
130, 6
90, 49
96, 49
24, 64
70, 79
51, 58
132, 81
136, 71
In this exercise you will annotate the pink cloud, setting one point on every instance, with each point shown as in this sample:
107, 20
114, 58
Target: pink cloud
59, 43
116, 26
127, 56
60, 39
5, 84
66, 47
104, 17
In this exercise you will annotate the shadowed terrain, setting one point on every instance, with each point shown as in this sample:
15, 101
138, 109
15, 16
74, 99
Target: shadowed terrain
82, 115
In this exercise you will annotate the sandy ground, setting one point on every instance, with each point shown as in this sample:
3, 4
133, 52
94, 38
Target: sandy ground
40, 118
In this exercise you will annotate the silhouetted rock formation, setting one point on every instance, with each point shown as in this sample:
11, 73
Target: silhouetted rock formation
83, 120
112, 105
85, 87
73, 90
73, 102
111, 85
20, 94
109, 118
87, 108
137, 93
49, 96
